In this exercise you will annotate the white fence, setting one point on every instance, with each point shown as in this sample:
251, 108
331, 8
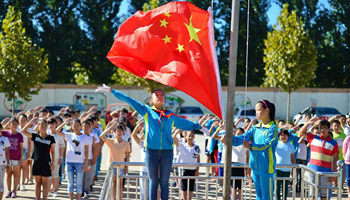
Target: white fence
306, 185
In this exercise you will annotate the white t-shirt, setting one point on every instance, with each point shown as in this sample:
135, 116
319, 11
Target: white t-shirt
143, 154
4, 142
239, 154
188, 154
59, 143
127, 134
25, 138
347, 130
302, 151
75, 147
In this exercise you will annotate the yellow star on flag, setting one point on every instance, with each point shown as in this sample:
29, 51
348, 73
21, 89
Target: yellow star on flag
180, 47
163, 23
192, 31
166, 39
167, 14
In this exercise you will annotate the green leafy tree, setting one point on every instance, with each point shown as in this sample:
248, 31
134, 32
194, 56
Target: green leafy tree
290, 55
23, 65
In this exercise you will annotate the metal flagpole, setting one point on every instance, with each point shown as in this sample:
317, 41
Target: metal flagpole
231, 96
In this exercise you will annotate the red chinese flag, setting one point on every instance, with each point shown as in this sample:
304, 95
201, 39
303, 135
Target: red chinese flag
173, 45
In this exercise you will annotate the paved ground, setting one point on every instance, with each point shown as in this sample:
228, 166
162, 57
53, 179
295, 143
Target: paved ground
213, 190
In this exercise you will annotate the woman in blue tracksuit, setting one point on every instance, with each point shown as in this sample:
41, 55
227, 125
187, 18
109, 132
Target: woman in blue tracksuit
261, 140
158, 124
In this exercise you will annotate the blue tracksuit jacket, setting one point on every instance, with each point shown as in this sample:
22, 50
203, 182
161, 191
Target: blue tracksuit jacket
157, 130
263, 139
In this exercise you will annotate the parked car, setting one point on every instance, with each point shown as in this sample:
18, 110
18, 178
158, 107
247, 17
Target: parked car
192, 113
113, 107
56, 107
321, 112
244, 112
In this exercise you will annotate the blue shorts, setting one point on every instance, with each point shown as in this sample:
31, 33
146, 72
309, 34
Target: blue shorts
25, 154
122, 171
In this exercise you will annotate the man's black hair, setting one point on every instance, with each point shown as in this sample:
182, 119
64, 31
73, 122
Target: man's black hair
325, 122
44, 110
52, 121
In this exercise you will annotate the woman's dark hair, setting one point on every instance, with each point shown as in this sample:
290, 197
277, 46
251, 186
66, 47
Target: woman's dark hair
270, 106
52, 121
241, 129
23, 115
59, 118
284, 131
1, 126
77, 121
14, 120
42, 121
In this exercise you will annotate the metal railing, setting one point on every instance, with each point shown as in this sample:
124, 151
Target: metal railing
206, 180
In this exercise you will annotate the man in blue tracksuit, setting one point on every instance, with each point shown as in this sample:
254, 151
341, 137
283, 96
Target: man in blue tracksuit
158, 124
261, 140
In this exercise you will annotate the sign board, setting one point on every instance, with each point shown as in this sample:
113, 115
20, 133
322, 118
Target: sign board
20, 104
85, 100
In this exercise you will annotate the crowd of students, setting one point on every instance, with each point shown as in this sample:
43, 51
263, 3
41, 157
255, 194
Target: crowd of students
48, 147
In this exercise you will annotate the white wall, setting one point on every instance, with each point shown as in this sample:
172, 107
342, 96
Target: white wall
338, 98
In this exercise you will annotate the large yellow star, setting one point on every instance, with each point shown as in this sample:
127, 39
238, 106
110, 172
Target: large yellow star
192, 31
163, 23
166, 39
180, 47
167, 14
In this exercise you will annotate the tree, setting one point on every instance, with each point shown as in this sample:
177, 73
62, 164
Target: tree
290, 56
23, 65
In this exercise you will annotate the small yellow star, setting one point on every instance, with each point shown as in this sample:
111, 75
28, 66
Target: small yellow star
166, 39
163, 23
180, 47
167, 14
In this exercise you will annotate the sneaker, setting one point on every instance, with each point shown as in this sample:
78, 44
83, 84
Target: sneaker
22, 188
8, 194
54, 194
14, 195
18, 187
31, 181
86, 195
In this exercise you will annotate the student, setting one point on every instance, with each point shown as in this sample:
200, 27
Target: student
59, 151
158, 140
284, 155
16, 155
140, 143
346, 154
263, 137
324, 154
239, 156
89, 174
76, 156
189, 152
339, 136
42, 165
4, 159
119, 151
26, 151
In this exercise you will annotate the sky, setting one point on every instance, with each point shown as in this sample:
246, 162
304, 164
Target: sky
272, 13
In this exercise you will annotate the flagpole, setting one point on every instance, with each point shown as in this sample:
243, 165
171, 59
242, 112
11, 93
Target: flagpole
231, 97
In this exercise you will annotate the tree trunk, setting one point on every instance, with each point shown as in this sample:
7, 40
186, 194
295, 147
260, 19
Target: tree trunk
288, 107
13, 107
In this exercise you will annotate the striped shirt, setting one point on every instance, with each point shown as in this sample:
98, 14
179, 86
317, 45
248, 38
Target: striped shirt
322, 149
